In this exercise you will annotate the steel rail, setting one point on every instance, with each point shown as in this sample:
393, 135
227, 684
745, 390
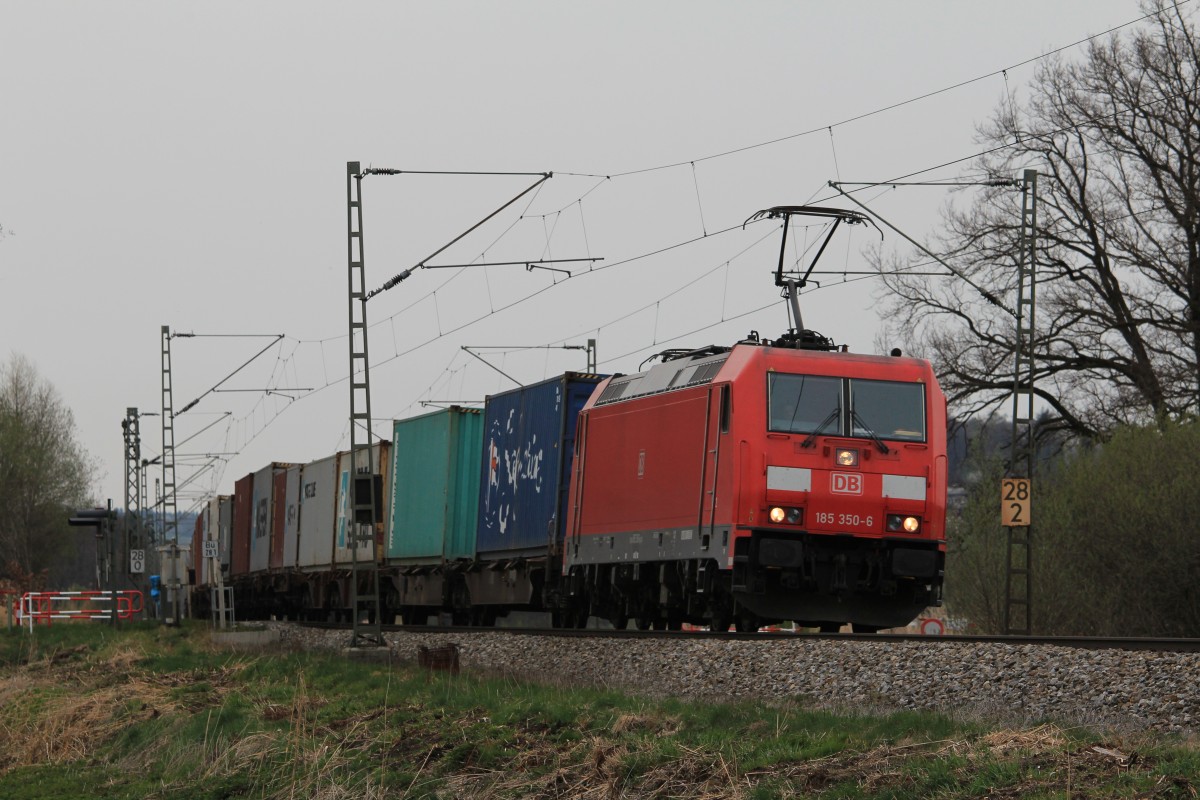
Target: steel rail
1165, 645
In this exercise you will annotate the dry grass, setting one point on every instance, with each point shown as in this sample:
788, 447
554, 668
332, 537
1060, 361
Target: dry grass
67, 705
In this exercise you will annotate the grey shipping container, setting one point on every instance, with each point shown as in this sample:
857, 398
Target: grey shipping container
218, 515
291, 525
262, 511
435, 486
318, 504
528, 446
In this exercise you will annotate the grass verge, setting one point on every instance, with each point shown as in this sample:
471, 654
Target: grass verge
152, 712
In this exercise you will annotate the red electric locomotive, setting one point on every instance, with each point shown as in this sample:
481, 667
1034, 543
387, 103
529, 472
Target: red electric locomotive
770, 481
761, 484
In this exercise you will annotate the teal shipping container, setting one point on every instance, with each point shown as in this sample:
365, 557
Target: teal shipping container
435, 486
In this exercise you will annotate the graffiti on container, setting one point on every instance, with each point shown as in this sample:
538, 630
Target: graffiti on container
260, 522
522, 469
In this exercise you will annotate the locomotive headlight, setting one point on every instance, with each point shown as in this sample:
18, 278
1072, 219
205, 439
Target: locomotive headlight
900, 522
792, 516
846, 457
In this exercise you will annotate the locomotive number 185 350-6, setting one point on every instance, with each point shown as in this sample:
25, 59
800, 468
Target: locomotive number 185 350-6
832, 519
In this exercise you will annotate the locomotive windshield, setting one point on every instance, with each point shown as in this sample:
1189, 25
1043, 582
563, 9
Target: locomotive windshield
805, 403
892, 410
817, 404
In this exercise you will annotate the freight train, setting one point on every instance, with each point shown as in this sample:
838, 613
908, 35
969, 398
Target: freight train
743, 486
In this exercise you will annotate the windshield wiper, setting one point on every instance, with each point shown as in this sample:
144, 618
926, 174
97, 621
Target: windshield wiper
883, 448
813, 436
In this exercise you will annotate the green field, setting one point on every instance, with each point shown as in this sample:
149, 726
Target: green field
152, 712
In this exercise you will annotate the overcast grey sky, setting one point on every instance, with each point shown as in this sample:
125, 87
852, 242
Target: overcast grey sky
184, 165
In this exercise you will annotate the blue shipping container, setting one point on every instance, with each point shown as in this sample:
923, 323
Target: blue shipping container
528, 446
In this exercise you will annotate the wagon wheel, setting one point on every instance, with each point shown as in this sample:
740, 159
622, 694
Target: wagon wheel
483, 616
746, 622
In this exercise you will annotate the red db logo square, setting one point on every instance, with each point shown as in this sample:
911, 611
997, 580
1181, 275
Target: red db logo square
845, 483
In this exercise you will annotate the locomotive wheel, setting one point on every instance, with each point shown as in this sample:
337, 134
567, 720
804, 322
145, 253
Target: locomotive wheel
859, 628
642, 623
619, 621
746, 623
829, 627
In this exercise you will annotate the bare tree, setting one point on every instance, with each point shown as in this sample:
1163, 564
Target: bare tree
1116, 140
44, 471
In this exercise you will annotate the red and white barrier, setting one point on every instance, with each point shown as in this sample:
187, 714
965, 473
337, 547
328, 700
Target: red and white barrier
44, 607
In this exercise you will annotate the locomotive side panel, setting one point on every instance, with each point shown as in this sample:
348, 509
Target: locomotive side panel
643, 492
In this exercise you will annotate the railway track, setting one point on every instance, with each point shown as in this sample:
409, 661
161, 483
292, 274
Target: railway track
1149, 644
1115, 683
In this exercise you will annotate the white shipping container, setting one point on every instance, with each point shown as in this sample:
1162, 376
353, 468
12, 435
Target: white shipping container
318, 498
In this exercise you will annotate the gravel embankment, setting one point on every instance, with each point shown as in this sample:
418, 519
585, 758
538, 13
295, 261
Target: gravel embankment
1117, 689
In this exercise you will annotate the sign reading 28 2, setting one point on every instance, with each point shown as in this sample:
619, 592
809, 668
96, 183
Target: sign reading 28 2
1015, 500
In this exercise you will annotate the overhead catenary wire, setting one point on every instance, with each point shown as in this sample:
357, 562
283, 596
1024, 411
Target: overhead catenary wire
247, 362
699, 204
606, 179
883, 109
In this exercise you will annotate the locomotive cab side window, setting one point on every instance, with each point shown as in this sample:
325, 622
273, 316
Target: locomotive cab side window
889, 409
817, 404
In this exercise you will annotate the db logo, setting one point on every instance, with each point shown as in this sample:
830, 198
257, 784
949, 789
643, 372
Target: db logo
845, 483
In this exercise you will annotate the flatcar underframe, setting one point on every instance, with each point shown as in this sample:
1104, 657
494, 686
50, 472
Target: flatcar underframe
814, 580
